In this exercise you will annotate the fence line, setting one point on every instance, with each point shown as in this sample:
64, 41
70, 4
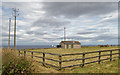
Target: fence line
60, 56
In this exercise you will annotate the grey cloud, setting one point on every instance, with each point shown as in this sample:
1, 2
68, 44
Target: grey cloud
107, 37
69, 37
50, 22
85, 32
11, 35
52, 39
94, 31
6, 35
36, 33
57, 16
76, 9
78, 38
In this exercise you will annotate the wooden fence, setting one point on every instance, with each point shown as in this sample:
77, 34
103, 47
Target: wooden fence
60, 61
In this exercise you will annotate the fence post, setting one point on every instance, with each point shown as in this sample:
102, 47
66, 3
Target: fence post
19, 52
83, 59
110, 55
24, 53
43, 59
60, 62
32, 54
99, 57
119, 62
119, 53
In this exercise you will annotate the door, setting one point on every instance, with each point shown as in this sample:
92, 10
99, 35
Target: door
71, 45
67, 45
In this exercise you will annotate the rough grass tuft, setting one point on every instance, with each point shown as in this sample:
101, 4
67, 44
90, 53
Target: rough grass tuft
12, 63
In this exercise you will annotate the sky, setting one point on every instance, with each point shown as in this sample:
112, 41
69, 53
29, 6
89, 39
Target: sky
42, 23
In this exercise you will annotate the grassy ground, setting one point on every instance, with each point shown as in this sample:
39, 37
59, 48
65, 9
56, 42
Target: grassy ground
0, 60
69, 51
105, 67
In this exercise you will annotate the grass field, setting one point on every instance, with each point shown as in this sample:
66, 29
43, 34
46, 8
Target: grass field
106, 67
67, 51
0, 60
94, 68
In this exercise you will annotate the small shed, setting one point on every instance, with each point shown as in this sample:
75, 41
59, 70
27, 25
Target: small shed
70, 44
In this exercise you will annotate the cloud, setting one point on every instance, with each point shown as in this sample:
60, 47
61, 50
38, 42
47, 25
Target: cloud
76, 9
44, 22
50, 21
94, 31
36, 33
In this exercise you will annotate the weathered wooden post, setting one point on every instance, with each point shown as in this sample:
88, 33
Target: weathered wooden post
119, 62
99, 57
43, 59
110, 55
119, 54
60, 62
32, 54
19, 52
83, 60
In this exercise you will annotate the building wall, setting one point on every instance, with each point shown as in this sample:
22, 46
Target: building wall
63, 46
74, 46
77, 46
70, 46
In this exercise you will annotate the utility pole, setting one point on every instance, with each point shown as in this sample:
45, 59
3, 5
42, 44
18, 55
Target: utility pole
9, 33
15, 15
64, 34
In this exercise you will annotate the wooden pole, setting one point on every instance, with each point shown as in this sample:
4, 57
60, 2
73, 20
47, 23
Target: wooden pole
60, 63
83, 59
110, 55
19, 53
43, 59
9, 33
15, 34
119, 54
99, 57
15, 15
32, 54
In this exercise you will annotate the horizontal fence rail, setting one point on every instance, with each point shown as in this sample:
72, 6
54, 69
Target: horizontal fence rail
60, 56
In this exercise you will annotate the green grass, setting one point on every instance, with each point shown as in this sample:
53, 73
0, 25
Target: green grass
104, 67
74, 50
91, 68
67, 51
0, 60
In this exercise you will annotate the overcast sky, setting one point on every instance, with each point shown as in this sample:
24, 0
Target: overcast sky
42, 23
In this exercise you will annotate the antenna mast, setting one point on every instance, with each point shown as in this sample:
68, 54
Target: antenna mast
64, 34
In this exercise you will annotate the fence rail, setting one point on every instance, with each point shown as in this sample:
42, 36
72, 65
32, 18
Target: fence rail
60, 56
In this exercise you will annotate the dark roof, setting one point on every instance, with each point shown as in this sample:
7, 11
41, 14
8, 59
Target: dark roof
70, 42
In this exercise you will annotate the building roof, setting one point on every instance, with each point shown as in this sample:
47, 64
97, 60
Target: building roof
70, 42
